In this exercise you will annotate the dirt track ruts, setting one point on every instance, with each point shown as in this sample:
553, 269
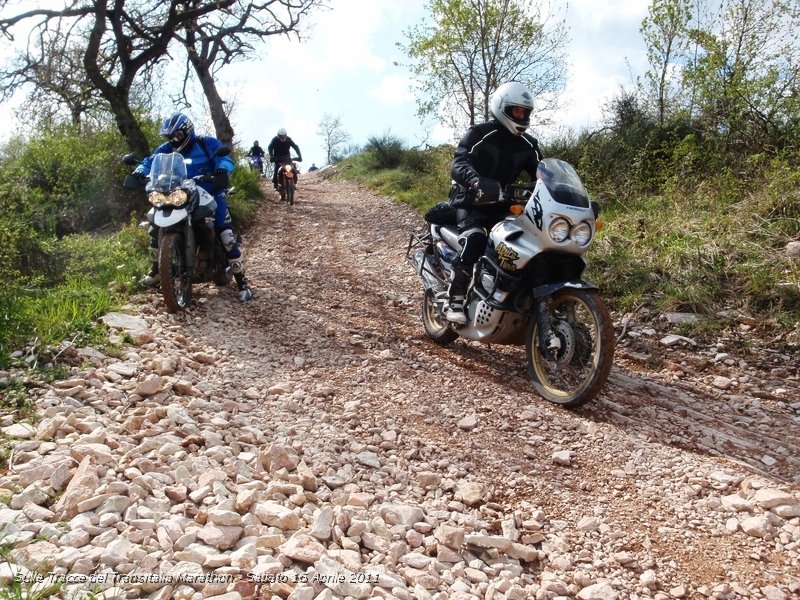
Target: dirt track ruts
335, 296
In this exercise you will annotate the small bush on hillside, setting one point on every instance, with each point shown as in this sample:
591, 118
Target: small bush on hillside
243, 203
386, 151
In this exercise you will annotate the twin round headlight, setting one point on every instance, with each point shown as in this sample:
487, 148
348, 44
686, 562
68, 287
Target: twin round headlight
174, 199
560, 230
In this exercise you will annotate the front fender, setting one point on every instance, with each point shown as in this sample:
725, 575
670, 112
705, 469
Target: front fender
166, 217
548, 289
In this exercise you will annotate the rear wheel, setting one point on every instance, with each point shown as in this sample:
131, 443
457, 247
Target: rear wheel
436, 327
578, 368
176, 284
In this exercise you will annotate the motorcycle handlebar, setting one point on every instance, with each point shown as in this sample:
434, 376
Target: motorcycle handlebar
510, 195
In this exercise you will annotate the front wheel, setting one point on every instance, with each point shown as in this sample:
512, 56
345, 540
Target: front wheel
290, 186
574, 372
436, 327
176, 283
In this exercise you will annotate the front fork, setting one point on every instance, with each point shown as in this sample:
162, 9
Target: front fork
549, 343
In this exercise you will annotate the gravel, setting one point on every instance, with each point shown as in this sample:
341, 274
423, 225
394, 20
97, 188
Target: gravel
313, 444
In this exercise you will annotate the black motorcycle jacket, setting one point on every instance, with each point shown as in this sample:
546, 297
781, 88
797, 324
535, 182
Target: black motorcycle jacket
490, 151
256, 151
280, 151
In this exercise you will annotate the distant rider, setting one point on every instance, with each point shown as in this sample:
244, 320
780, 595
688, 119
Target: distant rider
490, 156
280, 153
178, 130
256, 150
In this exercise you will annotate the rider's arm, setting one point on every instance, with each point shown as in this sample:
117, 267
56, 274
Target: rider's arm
462, 169
297, 149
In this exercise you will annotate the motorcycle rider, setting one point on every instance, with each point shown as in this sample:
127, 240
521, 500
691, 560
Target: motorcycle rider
178, 131
490, 156
257, 151
280, 153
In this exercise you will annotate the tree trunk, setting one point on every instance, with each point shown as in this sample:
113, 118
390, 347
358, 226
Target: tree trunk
216, 106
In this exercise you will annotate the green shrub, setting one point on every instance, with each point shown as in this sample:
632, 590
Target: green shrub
243, 202
386, 151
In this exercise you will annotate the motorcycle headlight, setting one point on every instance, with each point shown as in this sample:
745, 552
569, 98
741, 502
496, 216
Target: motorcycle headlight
582, 233
175, 198
559, 229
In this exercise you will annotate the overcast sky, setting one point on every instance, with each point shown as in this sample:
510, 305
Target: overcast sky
345, 65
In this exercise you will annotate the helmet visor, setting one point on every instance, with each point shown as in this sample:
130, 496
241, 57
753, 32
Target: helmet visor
177, 138
519, 114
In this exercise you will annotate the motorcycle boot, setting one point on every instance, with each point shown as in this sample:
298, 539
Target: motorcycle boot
457, 292
152, 278
244, 293
236, 263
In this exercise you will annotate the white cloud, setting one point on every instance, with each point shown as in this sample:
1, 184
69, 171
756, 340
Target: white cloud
393, 89
605, 52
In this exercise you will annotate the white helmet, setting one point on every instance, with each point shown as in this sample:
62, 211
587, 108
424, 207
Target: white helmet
507, 96
281, 131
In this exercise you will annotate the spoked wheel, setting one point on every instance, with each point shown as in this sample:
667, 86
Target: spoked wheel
581, 360
282, 192
290, 187
176, 285
436, 327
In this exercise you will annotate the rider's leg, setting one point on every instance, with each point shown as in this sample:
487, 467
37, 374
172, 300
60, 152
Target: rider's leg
152, 278
473, 242
223, 227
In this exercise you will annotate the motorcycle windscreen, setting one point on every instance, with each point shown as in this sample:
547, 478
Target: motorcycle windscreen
167, 172
563, 183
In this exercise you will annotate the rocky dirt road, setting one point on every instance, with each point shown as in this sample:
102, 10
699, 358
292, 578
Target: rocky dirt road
314, 444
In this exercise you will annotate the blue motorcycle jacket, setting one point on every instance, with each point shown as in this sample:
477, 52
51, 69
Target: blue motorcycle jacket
202, 161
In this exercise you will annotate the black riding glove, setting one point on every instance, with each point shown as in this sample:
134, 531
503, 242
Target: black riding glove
485, 189
221, 179
139, 175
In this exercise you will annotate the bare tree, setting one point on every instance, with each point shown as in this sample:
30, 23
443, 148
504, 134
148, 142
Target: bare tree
333, 135
52, 79
121, 41
473, 46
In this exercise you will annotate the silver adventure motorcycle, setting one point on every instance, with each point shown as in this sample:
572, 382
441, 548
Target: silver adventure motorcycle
528, 287
189, 251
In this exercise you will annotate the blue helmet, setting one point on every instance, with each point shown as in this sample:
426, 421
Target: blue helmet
179, 131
